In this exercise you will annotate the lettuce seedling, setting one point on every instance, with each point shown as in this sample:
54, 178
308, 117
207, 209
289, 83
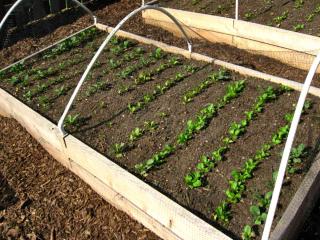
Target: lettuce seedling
72, 120
222, 213
296, 156
193, 180
119, 149
135, 134
150, 125
259, 216
247, 233
217, 155
60, 91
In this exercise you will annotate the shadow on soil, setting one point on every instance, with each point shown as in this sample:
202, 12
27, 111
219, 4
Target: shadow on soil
7, 194
45, 26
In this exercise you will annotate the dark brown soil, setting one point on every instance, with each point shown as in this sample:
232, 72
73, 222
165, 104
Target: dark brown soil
311, 229
259, 11
39, 197
122, 8
106, 121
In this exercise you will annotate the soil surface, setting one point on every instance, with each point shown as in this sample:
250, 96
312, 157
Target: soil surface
264, 12
240, 57
104, 121
40, 199
119, 9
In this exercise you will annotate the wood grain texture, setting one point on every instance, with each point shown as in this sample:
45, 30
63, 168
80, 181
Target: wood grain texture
294, 49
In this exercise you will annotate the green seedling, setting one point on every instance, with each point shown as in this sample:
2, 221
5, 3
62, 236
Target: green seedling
279, 19
14, 80
19, 67
122, 89
133, 108
72, 120
193, 180
26, 81
158, 53
298, 27
150, 125
310, 17
174, 61
143, 78
249, 16
43, 101
41, 88
28, 95
156, 160
114, 64
190, 68
163, 114
247, 233
135, 134
119, 149
222, 213
60, 91
258, 215
217, 155
296, 156
298, 3
195, 2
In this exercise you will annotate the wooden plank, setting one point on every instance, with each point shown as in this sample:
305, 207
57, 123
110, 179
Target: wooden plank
163, 216
199, 57
294, 49
168, 213
300, 206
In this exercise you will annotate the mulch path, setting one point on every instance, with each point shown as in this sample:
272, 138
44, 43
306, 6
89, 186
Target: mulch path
40, 199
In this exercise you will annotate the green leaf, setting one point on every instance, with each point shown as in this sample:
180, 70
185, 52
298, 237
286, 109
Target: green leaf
255, 211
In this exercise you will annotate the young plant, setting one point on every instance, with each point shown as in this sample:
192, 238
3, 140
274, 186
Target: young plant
222, 213
14, 80
156, 160
247, 233
60, 91
296, 156
249, 16
298, 27
72, 120
150, 125
122, 89
119, 149
220, 75
158, 54
135, 134
298, 3
279, 19
258, 215
193, 179
43, 101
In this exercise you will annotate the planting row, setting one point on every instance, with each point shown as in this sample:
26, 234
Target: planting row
181, 125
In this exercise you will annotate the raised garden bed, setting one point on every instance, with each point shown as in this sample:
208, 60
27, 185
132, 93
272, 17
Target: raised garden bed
179, 124
291, 48
297, 15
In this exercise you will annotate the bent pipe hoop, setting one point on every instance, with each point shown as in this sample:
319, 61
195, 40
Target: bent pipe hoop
103, 45
17, 3
287, 148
